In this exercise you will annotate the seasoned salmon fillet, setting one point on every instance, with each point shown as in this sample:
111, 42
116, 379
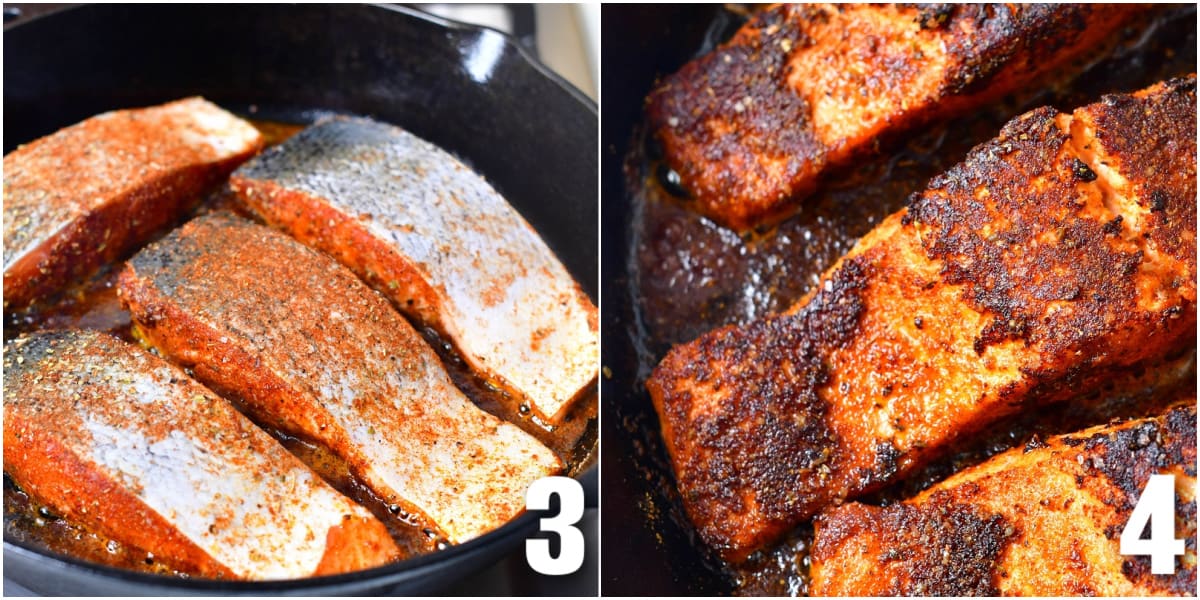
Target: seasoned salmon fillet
87, 195
803, 88
1043, 520
446, 248
309, 349
1057, 257
126, 444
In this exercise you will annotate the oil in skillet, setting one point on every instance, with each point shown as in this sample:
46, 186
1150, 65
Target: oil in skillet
27, 522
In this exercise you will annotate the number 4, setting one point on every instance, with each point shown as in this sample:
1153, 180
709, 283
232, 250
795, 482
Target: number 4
1157, 501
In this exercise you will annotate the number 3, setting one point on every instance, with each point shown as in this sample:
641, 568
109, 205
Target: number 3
570, 554
1157, 501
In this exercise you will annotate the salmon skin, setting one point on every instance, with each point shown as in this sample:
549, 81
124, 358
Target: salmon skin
309, 349
1043, 520
446, 248
91, 193
752, 127
1057, 258
114, 438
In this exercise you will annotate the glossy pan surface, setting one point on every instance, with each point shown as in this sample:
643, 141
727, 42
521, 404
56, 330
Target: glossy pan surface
472, 91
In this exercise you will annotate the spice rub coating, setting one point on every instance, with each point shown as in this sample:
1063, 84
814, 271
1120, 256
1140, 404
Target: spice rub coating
309, 349
1044, 520
802, 88
1055, 258
90, 193
120, 441
432, 235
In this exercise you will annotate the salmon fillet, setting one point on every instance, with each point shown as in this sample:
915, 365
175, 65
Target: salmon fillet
120, 441
89, 194
803, 88
1058, 257
446, 248
1044, 520
309, 349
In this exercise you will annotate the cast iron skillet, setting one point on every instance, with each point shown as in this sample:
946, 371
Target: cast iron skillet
470, 90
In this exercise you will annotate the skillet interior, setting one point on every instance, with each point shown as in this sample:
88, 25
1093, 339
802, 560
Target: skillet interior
470, 90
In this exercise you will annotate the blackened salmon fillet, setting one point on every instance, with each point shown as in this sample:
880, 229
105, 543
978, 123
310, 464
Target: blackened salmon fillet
127, 445
433, 236
1058, 257
89, 194
753, 126
309, 349
1043, 520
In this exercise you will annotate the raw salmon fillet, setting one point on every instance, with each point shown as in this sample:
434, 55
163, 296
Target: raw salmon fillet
753, 126
1044, 520
120, 441
446, 248
87, 195
1057, 258
309, 349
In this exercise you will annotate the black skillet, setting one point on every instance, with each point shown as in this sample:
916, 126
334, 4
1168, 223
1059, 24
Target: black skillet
470, 90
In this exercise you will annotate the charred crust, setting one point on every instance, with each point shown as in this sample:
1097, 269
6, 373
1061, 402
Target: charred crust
1113, 227
1158, 201
933, 16
1018, 252
1000, 330
988, 226
744, 81
1181, 85
1126, 458
769, 438
1007, 38
1151, 133
741, 132
1130, 455
1082, 171
887, 461
942, 547
949, 542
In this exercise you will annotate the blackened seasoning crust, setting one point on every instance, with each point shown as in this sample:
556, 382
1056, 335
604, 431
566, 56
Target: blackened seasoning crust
946, 548
752, 126
1026, 292
1042, 521
768, 376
